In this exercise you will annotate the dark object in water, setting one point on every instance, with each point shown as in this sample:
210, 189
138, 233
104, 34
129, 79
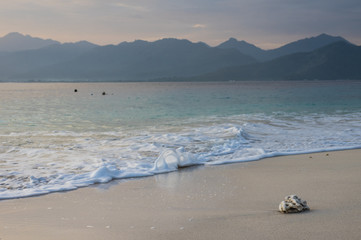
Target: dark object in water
104, 93
75, 90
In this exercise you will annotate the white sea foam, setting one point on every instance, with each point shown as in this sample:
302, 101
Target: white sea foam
33, 163
53, 140
170, 160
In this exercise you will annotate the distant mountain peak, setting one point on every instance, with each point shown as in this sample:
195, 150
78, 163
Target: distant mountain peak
164, 42
19, 36
236, 43
84, 44
308, 44
322, 37
232, 39
15, 41
243, 46
13, 35
325, 35
302, 45
173, 41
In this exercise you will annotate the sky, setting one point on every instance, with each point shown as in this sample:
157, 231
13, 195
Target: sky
266, 23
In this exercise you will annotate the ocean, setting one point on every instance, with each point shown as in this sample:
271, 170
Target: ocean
62, 136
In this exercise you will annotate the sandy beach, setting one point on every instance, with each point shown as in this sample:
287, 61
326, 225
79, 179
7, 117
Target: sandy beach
234, 201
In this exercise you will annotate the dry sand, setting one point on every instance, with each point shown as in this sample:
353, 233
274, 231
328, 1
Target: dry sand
235, 201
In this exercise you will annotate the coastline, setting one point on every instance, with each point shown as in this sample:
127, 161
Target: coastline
232, 201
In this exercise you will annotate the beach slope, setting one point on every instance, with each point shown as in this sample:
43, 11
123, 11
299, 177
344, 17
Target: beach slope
234, 201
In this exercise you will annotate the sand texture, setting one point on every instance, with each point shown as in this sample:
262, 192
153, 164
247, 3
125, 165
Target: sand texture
235, 201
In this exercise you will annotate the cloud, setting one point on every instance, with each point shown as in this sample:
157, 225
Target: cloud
198, 25
137, 8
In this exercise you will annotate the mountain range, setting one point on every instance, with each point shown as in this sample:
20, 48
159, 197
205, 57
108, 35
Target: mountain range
337, 61
303, 45
24, 58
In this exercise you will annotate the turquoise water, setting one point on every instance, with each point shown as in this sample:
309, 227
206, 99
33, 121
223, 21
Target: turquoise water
53, 138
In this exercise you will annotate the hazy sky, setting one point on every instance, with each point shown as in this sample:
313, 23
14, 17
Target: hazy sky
266, 23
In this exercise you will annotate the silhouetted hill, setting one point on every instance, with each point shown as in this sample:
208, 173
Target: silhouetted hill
141, 60
19, 42
174, 59
15, 64
303, 45
244, 47
340, 60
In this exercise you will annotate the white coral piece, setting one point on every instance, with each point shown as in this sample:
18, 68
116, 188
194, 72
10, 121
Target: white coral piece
293, 204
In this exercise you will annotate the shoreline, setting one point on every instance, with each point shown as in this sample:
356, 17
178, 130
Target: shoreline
180, 168
230, 201
179, 81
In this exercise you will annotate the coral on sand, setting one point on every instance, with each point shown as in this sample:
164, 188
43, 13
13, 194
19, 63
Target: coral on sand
293, 204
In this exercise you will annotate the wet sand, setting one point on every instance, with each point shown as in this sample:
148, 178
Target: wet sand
234, 201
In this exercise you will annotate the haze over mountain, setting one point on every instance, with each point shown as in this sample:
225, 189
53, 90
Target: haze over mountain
340, 60
19, 42
13, 64
174, 59
141, 60
303, 45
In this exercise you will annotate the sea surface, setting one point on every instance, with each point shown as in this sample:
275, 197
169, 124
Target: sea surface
53, 138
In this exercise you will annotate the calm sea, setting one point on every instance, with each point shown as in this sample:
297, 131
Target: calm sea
54, 138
